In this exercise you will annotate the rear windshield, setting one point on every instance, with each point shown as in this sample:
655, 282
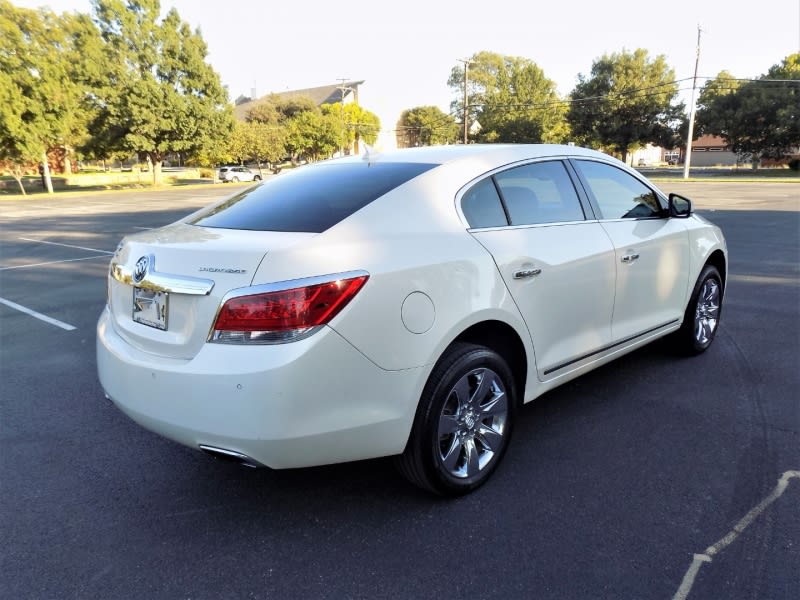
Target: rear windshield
310, 199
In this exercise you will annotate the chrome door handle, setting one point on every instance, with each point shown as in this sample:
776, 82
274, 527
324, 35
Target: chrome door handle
629, 258
525, 273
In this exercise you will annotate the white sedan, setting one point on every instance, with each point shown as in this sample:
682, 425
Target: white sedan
405, 303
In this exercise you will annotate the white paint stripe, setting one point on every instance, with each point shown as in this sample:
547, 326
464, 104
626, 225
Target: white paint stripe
53, 262
143, 228
66, 245
37, 315
730, 537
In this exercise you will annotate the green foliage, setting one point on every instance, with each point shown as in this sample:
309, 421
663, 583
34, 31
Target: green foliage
760, 117
627, 100
426, 126
257, 142
313, 135
41, 87
355, 123
158, 94
511, 99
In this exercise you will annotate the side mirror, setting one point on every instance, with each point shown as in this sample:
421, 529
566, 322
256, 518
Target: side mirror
680, 207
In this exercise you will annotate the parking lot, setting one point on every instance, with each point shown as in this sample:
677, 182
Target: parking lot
652, 477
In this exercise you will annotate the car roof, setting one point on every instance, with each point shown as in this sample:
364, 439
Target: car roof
493, 153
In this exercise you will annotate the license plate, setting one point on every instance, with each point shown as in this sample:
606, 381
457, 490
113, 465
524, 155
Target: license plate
150, 308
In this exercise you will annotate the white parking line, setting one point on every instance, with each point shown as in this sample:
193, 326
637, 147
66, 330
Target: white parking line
65, 245
37, 315
727, 540
53, 262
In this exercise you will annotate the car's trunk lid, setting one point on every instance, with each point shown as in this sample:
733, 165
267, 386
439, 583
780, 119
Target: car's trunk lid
166, 285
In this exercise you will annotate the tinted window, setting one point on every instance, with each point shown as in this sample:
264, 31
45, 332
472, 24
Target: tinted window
618, 194
310, 199
539, 193
482, 207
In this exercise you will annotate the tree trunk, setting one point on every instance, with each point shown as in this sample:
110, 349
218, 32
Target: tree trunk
46, 173
16, 173
154, 161
67, 161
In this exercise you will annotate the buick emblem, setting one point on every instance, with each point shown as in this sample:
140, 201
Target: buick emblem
140, 270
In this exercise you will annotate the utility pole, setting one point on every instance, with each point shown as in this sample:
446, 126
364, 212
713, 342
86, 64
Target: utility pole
466, 62
342, 88
688, 158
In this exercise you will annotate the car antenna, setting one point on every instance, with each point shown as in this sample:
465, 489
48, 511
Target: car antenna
369, 152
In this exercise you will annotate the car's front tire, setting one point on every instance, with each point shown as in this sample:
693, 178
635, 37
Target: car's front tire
257, 178
701, 320
463, 423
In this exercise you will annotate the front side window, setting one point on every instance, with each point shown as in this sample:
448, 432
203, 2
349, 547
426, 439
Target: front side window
618, 194
539, 193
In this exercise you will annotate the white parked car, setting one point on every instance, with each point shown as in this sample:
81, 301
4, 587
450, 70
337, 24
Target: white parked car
235, 174
406, 304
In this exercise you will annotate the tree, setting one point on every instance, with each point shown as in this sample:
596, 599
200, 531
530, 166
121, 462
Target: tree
759, 117
42, 92
511, 99
159, 95
627, 100
313, 135
257, 142
355, 123
426, 126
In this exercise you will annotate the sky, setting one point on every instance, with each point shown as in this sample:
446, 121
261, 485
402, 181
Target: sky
404, 51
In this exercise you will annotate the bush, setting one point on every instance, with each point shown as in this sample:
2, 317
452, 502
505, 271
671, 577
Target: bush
206, 173
794, 164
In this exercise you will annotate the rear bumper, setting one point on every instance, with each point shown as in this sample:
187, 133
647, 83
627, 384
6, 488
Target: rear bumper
312, 402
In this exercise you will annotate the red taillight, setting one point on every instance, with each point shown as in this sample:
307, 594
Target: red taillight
284, 315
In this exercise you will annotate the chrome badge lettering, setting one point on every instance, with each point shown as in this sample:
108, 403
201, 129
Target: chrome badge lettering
222, 270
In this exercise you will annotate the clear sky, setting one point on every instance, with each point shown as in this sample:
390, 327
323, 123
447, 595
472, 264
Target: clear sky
405, 50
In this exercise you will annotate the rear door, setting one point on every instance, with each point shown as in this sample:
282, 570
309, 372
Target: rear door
652, 250
557, 263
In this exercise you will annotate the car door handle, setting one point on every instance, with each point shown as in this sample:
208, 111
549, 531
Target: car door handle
525, 273
629, 258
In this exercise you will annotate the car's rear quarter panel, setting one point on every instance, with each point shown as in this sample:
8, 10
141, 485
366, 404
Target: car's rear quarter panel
410, 240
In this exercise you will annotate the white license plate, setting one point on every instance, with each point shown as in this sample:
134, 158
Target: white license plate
150, 308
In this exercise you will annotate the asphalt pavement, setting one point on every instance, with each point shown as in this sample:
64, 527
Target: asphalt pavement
652, 477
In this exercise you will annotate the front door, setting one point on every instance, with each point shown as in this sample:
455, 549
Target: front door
558, 266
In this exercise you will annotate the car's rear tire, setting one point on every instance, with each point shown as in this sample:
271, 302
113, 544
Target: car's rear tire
701, 320
257, 178
235, 179
463, 423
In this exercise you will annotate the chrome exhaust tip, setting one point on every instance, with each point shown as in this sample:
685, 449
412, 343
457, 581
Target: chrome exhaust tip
231, 456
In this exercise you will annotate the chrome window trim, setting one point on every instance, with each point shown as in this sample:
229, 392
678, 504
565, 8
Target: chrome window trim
513, 165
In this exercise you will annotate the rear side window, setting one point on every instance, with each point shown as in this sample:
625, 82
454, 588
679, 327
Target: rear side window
539, 193
310, 199
482, 206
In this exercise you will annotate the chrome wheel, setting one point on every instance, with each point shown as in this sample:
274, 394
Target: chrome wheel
472, 423
707, 312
